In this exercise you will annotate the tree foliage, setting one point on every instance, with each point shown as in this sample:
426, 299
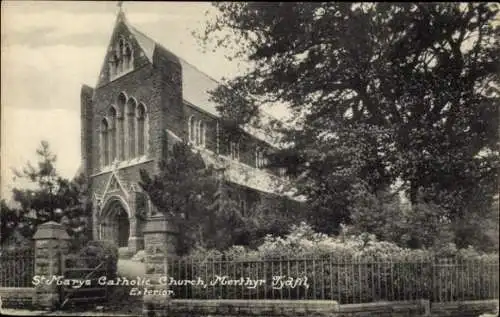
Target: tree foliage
48, 197
379, 92
183, 189
10, 217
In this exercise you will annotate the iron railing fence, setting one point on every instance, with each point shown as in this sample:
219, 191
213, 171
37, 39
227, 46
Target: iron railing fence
17, 267
354, 280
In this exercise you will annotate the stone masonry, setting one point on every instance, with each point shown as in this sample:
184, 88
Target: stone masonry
51, 241
160, 240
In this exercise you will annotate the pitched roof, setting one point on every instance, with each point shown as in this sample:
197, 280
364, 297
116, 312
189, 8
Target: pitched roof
245, 175
147, 44
196, 84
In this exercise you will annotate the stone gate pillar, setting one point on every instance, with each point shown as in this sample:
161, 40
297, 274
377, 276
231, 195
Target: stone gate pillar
137, 205
51, 242
160, 238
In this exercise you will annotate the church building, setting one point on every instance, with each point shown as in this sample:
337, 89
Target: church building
146, 99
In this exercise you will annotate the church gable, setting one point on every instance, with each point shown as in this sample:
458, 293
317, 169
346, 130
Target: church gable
127, 51
115, 186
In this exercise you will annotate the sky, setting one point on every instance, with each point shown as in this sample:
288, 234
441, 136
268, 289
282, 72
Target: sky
49, 49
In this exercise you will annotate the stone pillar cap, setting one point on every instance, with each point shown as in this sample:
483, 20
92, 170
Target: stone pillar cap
51, 230
159, 223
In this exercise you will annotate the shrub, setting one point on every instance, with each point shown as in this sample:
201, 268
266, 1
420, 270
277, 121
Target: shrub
349, 268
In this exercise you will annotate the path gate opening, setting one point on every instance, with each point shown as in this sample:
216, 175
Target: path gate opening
81, 281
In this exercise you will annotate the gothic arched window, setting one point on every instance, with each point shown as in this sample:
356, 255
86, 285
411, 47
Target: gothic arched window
119, 50
203, 134
234, 150
112, 134
127, 57
104, 142
131, 108
121, 58
259, 158
197, 132
113, 65
191, 129
121, 101
200, 133
141, 130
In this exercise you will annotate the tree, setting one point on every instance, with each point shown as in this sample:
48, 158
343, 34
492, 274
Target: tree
51, 198
378, 92
183, 189
381, 214
269, 214
199, 203
10, 217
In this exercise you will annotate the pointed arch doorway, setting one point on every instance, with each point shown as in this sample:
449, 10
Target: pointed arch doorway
115, 224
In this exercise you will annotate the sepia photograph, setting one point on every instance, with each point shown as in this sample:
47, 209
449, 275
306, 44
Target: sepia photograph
239, 159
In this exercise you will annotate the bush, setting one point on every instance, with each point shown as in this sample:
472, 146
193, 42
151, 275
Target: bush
348, 268
304, 242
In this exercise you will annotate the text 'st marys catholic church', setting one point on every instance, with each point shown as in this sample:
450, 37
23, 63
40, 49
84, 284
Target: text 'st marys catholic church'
145, 100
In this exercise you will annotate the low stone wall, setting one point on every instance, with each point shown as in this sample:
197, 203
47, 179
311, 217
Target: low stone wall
385, 309
244, 308
299, 308
290, 308
17, 297
464, 309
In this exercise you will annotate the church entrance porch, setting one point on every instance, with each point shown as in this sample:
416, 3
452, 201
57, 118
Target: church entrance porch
115, 224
